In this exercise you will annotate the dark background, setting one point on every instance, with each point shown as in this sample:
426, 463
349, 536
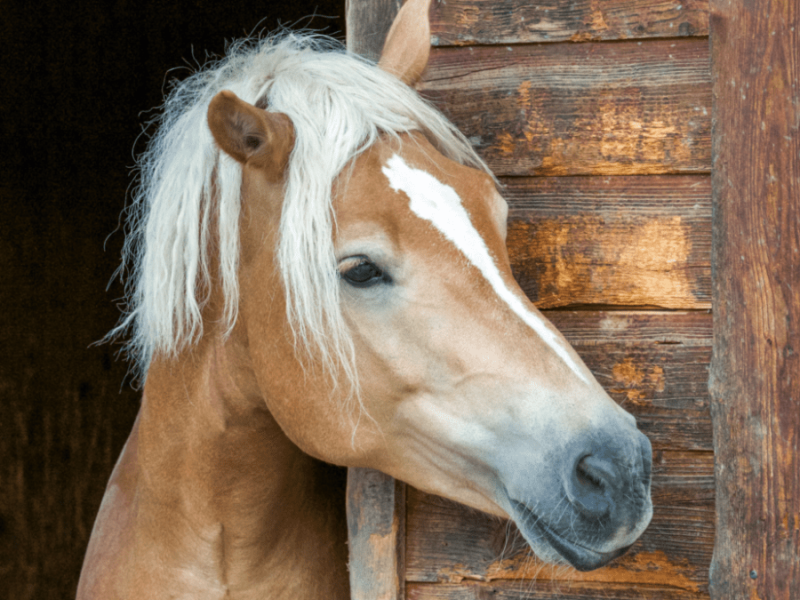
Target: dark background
75, 80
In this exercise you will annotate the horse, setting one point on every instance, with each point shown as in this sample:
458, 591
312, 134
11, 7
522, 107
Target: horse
317, 273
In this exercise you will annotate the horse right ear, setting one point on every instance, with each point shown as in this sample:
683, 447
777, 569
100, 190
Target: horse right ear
249, 134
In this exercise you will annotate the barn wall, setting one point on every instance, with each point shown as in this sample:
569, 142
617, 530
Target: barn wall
597, 119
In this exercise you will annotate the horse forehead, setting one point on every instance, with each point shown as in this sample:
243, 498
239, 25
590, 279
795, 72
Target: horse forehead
473, 187
369, 194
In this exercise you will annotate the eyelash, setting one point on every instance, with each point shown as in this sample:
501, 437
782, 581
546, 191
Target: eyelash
364, 273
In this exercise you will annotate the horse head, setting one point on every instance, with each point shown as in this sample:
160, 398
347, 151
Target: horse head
423, 358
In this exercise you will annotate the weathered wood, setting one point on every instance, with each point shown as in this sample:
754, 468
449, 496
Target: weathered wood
368, 22
631, 241
654, 196
591, 328
545, 590
575, 109
660, 378
755, 375
663, 386
463, 22
449, 543
376, 535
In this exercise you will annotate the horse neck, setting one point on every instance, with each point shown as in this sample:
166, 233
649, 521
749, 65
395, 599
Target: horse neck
220, 471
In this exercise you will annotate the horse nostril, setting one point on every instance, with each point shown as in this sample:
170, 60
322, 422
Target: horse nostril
592, 485
598, 470
587, 476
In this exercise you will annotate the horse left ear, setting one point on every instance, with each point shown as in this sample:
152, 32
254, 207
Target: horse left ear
249, 134
408, 43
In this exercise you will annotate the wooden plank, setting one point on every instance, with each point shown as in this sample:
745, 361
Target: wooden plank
376, 535
630, 241
633, 328
464, 22
755, 375
545, 590
663, 386
449, 543
368, 22
575, 109
653, 364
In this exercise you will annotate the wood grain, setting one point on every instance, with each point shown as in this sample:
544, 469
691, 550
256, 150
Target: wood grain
755, 375
628, 241
578, 109
660, 378
663, 386
376, 534
464, 22
633, 328
545, 590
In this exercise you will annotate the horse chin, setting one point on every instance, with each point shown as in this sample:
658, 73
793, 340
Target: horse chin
555, 547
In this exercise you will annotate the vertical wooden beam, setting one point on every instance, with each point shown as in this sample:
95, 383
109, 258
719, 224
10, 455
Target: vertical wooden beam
376, 503
368, 22
376, 531
755, 372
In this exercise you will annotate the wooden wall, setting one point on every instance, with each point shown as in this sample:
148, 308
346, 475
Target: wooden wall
596, 116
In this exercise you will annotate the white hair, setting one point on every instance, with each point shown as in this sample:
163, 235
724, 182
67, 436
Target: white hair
339, 104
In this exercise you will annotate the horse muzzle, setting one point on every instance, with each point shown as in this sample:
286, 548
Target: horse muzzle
592, 506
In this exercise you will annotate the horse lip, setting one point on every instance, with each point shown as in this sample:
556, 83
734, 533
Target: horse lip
577, 555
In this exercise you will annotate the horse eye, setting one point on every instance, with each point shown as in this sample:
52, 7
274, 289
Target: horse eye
364, 274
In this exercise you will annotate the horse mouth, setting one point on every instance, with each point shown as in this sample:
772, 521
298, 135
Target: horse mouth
576, 554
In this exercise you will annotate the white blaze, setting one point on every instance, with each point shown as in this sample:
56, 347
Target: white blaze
438, 203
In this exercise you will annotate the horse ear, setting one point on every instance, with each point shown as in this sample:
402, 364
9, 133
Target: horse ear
250, 134
408, 43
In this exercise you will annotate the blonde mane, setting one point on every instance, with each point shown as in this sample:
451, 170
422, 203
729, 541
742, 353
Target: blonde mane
339, 104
